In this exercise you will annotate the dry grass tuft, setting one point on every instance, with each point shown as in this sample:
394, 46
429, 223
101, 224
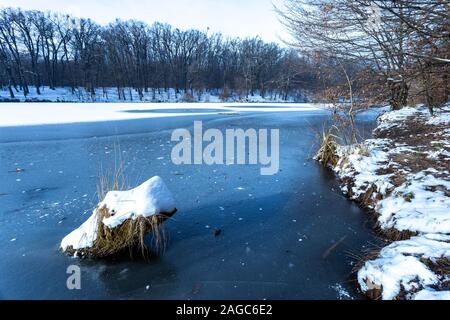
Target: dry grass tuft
111, 180
131, 234
396, 235
128, 236
327, 154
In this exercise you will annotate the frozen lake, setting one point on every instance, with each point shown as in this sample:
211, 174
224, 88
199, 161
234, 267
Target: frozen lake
277, 231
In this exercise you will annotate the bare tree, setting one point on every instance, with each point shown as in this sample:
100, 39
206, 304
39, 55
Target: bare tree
394, 40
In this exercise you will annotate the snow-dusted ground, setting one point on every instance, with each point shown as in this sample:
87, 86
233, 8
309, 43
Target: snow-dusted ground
21, 114
131, 95
403, 175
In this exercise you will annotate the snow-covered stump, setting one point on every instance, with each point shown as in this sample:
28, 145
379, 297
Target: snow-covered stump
122, 220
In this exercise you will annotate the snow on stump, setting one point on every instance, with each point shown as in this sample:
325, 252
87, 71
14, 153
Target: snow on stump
122, 220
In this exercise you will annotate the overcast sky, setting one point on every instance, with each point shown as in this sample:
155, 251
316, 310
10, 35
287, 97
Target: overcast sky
231, 17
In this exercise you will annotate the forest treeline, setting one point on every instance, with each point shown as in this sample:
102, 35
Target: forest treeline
365, 52
56, 50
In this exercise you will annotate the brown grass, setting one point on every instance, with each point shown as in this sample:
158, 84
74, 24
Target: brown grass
327, 154
111, 180
128, 236
415, 162
440, 266
396, 235
416, 132
367, 198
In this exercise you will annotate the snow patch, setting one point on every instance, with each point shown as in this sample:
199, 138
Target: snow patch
399, 266
416, 206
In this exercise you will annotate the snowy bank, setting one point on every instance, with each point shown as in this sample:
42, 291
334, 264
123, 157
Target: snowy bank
404, 267
139, 211
66, 94
402, 175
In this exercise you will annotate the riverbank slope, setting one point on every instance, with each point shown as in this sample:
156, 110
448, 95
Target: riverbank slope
402, 177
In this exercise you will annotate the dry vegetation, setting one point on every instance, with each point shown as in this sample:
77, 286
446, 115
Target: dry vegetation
327, 154
129, 237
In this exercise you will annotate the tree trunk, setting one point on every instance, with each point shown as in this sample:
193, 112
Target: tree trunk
11, 92
399, 95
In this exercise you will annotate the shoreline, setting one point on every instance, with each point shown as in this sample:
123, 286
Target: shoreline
402, 177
